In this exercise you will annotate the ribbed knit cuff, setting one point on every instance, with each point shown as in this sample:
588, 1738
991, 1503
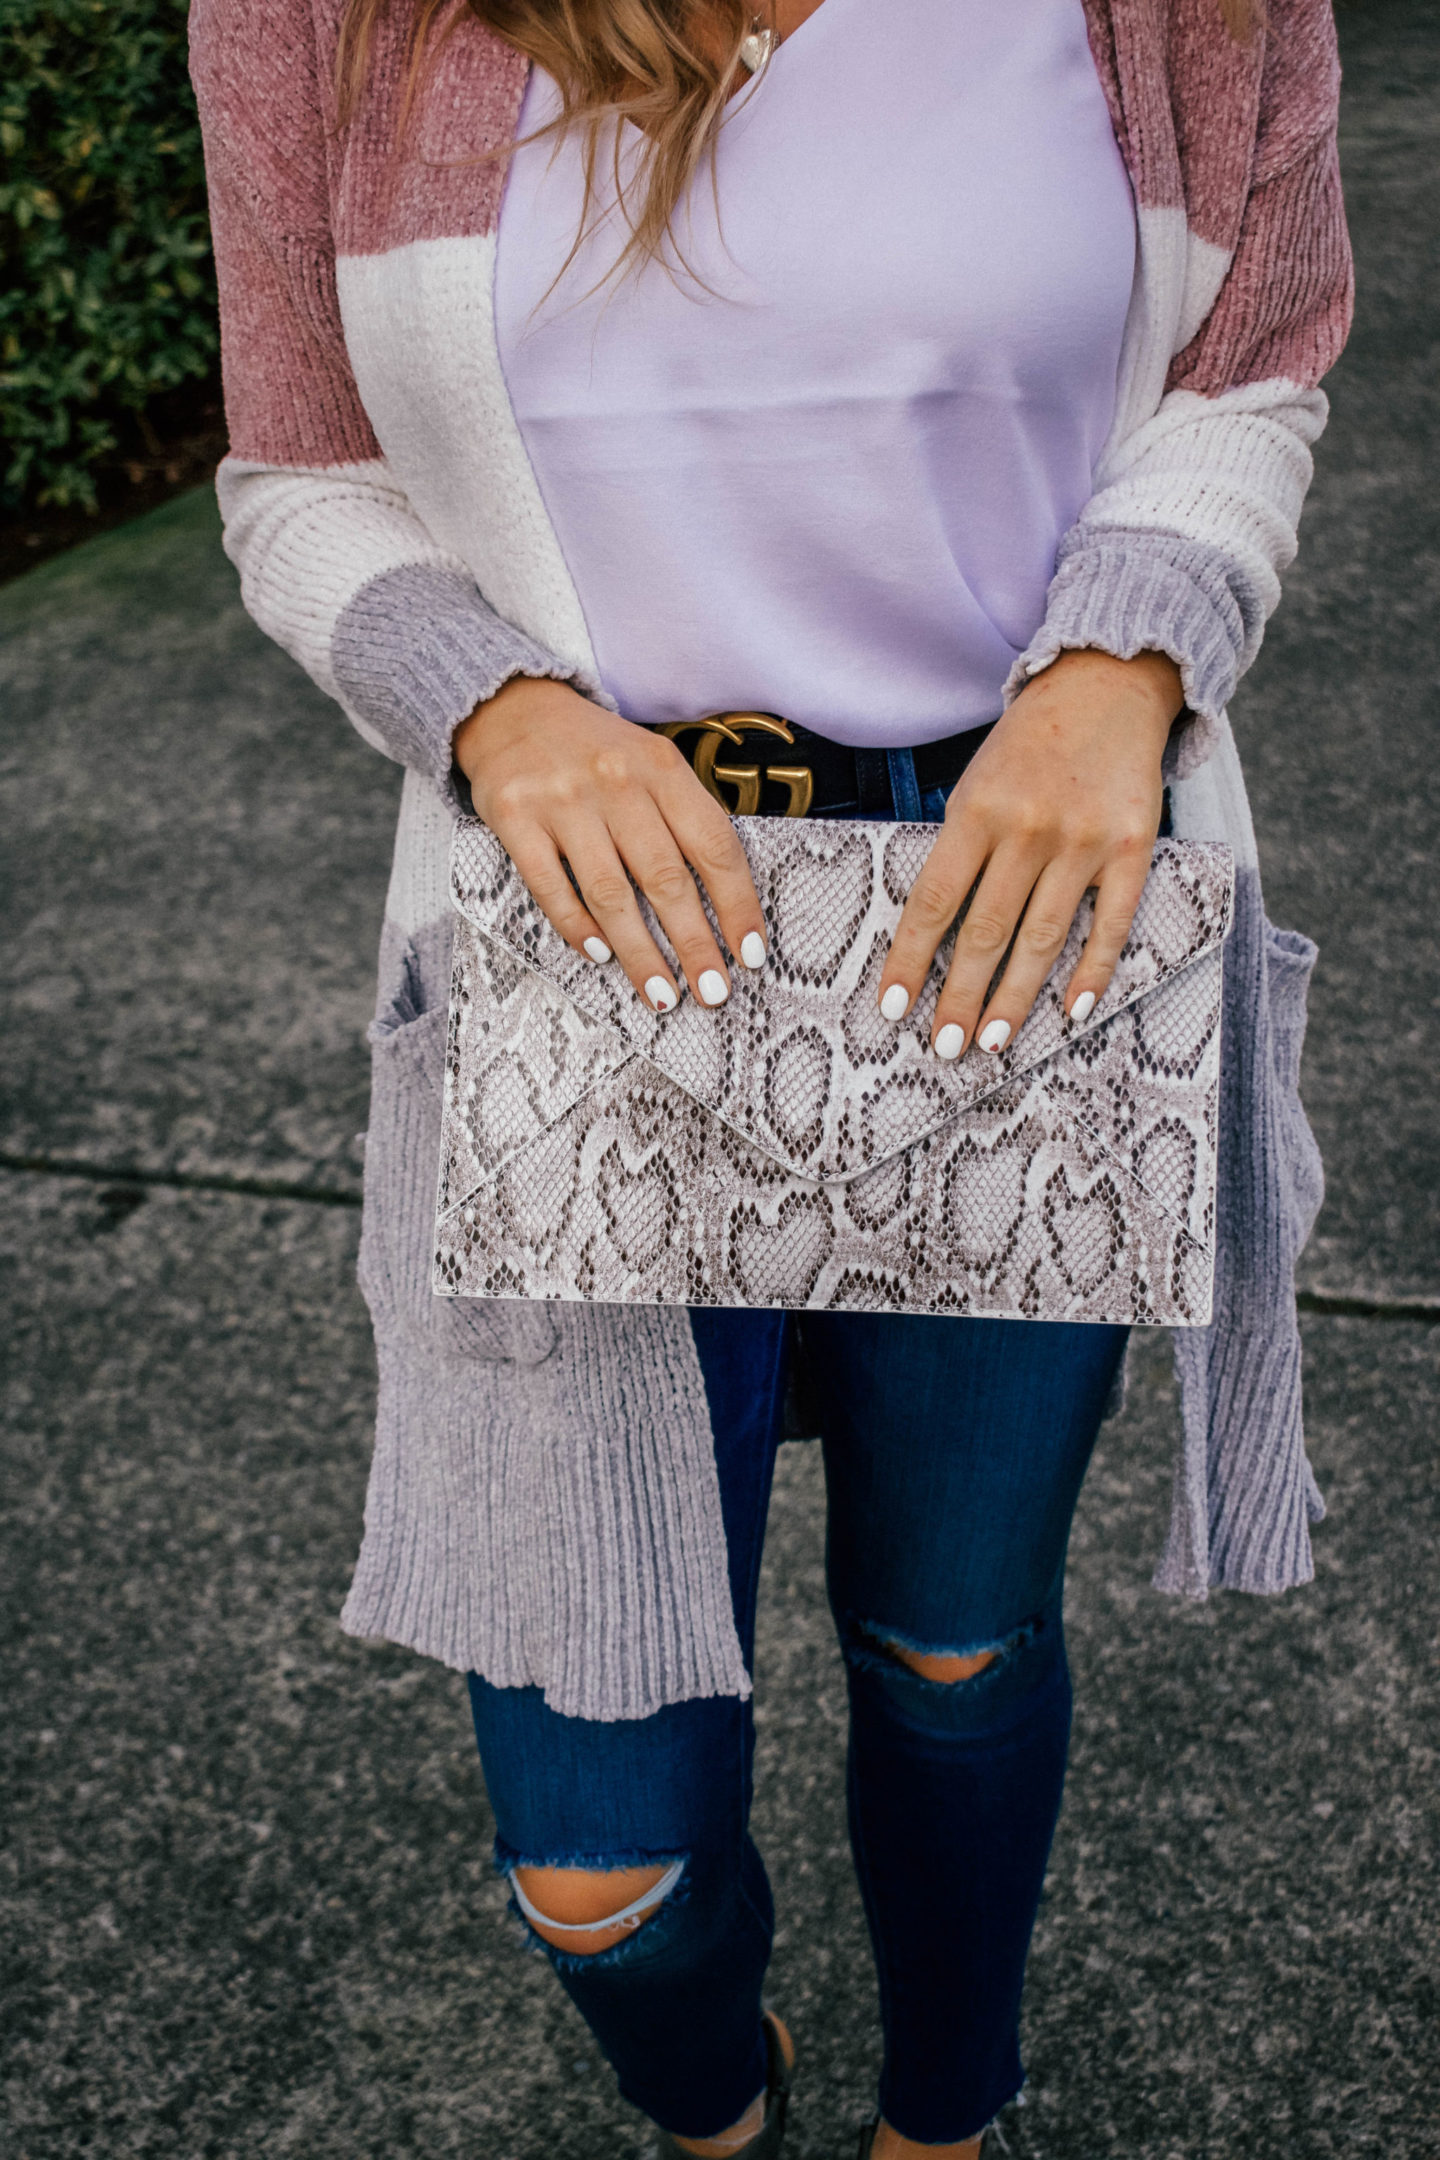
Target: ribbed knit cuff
1138, 591
416, 650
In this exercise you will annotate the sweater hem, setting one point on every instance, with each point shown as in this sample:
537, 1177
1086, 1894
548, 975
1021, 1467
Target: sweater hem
413, 654
1145, 592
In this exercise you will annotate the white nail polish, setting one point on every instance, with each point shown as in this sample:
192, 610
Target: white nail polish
995, 1036
660, 994
1082, 1008
896, 1002
950, 1041
752, 949
713, 987
598, 950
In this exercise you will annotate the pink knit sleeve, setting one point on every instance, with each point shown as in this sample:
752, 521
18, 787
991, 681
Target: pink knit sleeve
334, 562
1197, 503
1284, 309
290, 396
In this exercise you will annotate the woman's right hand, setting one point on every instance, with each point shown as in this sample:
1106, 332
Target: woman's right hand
559, 780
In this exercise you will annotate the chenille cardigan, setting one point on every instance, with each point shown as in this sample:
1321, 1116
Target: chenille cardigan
543, 1505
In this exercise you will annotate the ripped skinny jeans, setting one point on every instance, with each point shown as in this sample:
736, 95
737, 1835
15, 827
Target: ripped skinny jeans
954, 1453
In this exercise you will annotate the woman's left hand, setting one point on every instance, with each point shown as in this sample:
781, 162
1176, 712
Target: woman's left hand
1064, 795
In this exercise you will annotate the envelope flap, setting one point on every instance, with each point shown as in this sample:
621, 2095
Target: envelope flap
800, 1061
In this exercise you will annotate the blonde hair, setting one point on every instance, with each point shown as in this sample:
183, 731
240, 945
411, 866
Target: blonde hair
667, 65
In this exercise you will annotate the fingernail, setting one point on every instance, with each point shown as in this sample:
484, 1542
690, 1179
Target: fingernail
660, 994
598, 950
713, 987
752, 949
950, 1041
995, 1036
1082, 1008
896, 1002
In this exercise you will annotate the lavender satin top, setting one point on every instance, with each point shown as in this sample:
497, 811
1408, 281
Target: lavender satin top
832, 485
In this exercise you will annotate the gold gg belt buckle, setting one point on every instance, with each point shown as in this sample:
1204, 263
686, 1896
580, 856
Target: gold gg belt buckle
733, 727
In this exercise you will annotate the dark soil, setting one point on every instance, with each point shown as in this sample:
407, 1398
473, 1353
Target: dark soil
175, 444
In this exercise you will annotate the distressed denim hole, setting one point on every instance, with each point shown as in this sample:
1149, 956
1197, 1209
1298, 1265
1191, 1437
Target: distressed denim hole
936, 1666
996, 1695
583, 1912
873, 1647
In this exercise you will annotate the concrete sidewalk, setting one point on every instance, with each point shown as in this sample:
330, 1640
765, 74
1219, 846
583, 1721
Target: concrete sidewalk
245, 1903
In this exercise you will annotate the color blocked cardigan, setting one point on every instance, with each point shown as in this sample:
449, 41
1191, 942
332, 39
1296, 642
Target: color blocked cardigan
543, 1506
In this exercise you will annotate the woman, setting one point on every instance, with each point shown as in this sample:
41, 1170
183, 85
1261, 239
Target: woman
941, 378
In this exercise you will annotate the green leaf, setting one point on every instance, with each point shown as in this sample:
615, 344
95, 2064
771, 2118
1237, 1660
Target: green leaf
107, 295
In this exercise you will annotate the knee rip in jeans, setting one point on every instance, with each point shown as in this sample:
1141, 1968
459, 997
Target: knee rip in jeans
583, 1911
882, 1648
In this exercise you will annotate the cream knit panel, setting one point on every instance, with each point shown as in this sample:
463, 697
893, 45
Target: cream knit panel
1229, 472
420, 329
419, 891
306, 540
1157, 304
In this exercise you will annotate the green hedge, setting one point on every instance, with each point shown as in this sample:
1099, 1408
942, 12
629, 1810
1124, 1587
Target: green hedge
107, 293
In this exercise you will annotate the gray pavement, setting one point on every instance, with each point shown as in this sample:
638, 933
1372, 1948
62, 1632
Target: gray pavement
1337, 721
245, 1905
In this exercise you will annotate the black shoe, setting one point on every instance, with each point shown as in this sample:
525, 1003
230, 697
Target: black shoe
765, 2145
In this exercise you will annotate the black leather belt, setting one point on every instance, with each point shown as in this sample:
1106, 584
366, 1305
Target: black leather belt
805, 774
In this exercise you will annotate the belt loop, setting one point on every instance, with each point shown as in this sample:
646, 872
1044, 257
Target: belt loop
872, 772
904, 786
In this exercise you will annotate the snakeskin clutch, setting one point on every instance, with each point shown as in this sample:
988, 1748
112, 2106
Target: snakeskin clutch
794, 1148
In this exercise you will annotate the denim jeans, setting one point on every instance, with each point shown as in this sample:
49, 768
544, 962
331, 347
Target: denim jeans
954, 1453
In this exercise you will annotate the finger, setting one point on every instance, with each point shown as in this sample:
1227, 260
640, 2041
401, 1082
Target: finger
653, 858
1039, 942
712, 847
1009, 879
610, 897
1117, 896
935, 899
537, 858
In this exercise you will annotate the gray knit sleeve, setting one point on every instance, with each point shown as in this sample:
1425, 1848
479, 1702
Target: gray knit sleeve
1182, 546
1128, 592
415, 651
